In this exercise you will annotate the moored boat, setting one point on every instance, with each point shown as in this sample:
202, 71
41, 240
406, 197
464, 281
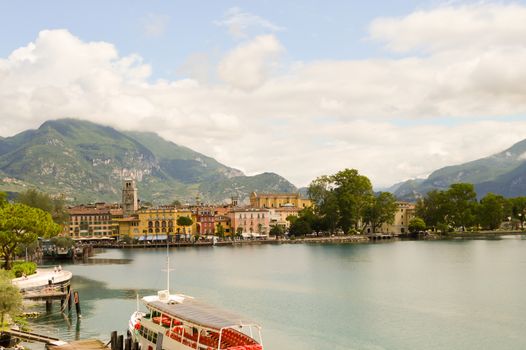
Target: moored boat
178, 321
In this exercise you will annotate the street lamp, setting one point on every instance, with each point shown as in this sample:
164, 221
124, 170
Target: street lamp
509, 223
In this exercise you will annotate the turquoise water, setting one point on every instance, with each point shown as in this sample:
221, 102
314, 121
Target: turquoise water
468, 294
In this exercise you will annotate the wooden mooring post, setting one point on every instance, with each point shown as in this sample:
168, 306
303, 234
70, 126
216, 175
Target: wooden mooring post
77, 303
117, 342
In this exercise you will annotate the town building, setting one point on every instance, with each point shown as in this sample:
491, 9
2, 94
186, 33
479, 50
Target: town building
159, 223
403, 215
278, 200
249, 221
92, 221
278, 216
222, 222
205, 220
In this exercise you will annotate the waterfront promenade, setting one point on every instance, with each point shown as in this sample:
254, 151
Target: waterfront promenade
307, 240
209, 243
43, 278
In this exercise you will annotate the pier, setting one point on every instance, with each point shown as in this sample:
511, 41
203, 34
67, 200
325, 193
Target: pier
47, 285
52, 343
29, 336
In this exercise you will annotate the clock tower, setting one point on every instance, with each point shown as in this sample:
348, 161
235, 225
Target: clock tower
129, 197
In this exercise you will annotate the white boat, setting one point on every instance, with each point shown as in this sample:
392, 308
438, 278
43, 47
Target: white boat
178, 321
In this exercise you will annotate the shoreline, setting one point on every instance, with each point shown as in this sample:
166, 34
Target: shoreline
303, 240
347, 239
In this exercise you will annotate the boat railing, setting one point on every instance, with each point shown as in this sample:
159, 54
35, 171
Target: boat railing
204, 339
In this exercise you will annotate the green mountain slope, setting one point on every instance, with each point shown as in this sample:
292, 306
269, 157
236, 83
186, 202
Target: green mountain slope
87, 162
502, 173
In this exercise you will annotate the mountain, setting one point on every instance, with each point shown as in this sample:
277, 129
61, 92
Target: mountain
502, 173
86, 162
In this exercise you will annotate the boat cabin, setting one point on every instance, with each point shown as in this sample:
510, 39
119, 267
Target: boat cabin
197, 325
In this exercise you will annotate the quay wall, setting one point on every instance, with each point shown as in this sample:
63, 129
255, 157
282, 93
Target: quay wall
306, 240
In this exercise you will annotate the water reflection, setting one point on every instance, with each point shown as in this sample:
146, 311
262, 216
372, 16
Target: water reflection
105, 261
403, 295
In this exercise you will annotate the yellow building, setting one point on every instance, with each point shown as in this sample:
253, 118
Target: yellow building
278, 216
128, 226
224, 221
278, 200
163, 221
403, 215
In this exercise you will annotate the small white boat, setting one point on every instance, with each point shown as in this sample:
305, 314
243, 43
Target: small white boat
178, 321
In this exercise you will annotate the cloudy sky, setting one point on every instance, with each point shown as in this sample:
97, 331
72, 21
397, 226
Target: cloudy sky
395, 89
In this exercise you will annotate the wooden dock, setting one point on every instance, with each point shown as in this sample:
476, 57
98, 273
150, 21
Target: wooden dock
53, 343
46, 294
88, 344
34, 337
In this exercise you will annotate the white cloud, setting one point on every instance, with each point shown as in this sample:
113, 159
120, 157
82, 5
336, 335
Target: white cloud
390, 118
248, 66
240, 24
480, 25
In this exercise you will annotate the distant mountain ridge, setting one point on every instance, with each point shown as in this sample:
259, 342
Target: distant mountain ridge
503, 173
86, 162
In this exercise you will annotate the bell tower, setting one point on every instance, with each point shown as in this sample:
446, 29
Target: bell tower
129, 197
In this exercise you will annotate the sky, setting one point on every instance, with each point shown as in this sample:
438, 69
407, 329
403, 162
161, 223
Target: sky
395, 89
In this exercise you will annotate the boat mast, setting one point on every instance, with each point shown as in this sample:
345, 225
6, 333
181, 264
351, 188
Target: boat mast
167, 267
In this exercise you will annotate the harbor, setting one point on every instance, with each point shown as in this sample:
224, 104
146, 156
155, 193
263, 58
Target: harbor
399, 285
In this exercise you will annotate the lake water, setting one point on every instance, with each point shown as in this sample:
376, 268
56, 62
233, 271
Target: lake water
462, 294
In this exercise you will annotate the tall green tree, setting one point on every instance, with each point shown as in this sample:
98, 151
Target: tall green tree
184, 221
10, 299
433, 208
321, 193
300, 227
416, 225
491, 211
276, 230
354, 193
518, 209
329, 213
462, 202
41, 200
381, 211
220, 230
318, 190
21, 224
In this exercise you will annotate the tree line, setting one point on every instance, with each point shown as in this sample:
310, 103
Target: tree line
343, 202
32, 215
457, 208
